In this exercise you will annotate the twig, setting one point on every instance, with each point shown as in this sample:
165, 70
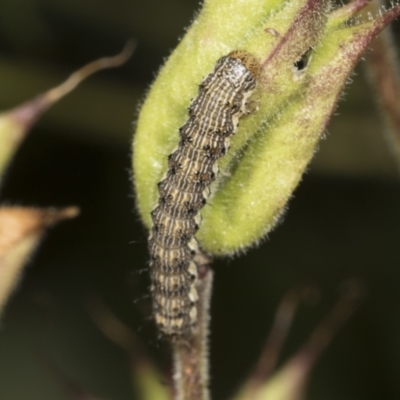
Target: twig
290, 381
353, 293
89, 69
29, 112
147, 378
280, 330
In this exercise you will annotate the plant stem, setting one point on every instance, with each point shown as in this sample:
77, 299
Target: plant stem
384, 74
191, 356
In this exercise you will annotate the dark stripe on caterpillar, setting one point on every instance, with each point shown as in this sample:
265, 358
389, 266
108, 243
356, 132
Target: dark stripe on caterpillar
192, 167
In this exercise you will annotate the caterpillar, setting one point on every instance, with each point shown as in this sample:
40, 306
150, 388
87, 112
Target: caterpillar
192, 167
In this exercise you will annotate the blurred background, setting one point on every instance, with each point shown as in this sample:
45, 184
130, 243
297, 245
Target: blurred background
342, 223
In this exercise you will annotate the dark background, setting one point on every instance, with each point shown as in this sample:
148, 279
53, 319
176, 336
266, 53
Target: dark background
343, 221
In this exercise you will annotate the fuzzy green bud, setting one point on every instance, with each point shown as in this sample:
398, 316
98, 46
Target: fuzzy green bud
306, 52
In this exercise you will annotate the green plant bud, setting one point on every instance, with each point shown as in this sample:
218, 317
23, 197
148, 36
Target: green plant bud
306, 53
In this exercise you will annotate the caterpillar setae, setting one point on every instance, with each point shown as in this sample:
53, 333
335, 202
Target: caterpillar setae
192, 167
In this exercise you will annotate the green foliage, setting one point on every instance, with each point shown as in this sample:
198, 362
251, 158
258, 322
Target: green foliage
274, 144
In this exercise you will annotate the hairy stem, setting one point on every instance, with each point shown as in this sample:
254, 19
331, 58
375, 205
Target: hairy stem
384, 75
191, 356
